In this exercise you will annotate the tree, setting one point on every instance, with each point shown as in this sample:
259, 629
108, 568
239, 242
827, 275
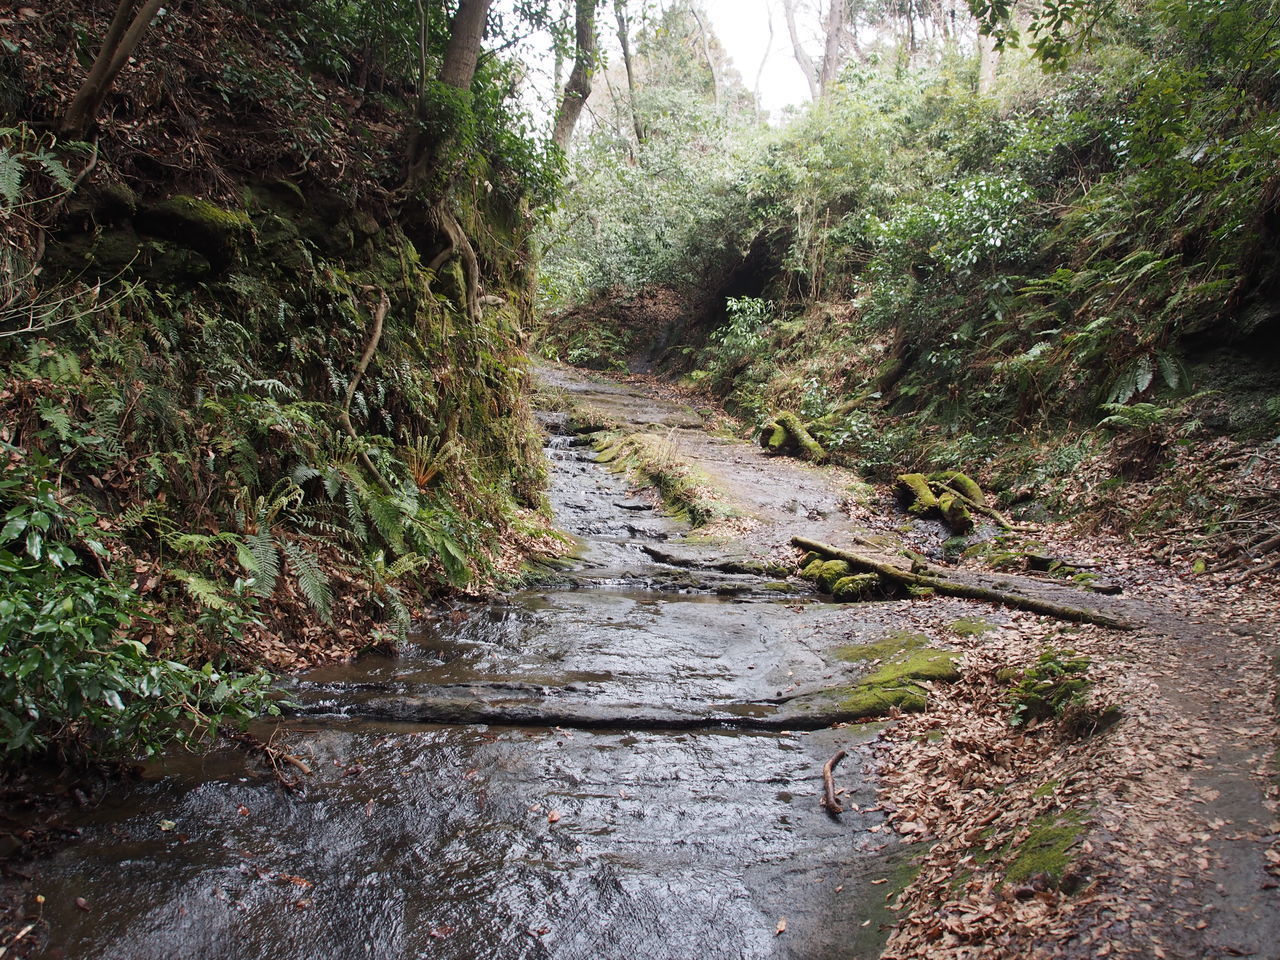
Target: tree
578, 89
624, 38
820, 75
123, 36
466, 31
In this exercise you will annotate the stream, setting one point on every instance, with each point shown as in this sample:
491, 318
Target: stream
594, 768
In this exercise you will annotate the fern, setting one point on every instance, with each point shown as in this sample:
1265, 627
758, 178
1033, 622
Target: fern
389, 518
312, 581
263, 561
11, 173
302, 473
204, 591
56, 170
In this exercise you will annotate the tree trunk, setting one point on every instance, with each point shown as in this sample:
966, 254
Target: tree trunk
578, 89
706, 53
466, 30
122, 39
624, 38
988, 63
768, 49
806, 63
831, 53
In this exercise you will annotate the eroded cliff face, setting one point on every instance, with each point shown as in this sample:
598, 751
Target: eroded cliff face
290, 391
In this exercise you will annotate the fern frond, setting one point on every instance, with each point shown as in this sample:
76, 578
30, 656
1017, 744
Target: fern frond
56, 170
390, 520
302, 473
203, 590
265, 559
11, 173
312, 581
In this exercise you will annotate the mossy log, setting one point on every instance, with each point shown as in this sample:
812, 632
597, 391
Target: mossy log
930, 580
955, 513
786, 433
962, 484
916, 486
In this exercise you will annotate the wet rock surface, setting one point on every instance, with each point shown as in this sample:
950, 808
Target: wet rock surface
622, 762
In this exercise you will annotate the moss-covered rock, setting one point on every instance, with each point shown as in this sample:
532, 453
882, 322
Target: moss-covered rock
955, 512
830, 572
113, 202
203, 226
860, 586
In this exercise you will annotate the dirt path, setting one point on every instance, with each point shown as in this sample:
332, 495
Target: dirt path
1166, 818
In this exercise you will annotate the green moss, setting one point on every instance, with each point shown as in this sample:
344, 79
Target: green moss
971, 626
955, 513
199, 224
1045, 851
830, 572
854, 588
897, 683
811, 570
961, 483
799, 437
917, 488
773, 437
891, 645
1045, 789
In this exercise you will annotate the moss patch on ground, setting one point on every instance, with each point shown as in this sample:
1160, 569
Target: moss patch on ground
1046, 851
891, 644
898, 683
971, 626
687, 493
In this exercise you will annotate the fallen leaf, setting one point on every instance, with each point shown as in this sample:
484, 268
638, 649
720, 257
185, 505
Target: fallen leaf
782, 927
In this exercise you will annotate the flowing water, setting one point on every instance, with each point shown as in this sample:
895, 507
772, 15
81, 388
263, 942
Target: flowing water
599, 768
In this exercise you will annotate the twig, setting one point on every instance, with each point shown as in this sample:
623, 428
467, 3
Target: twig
275, 756
829, 800
21, 933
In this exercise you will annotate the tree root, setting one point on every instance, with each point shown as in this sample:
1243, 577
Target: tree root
937, 581
379, 315
829, 800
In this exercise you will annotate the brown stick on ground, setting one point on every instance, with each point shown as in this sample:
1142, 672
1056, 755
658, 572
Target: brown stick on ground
275, 756
940, 584
829, 785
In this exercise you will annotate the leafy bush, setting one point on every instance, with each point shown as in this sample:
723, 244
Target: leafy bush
69, 673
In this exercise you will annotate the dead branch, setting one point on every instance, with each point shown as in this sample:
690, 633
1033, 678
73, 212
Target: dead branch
275, 756
829, 800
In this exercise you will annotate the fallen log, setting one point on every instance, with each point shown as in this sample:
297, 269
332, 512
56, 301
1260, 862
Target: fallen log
829, 784
939, 583
786, 433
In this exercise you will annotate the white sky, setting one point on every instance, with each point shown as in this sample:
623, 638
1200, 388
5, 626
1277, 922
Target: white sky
743, 29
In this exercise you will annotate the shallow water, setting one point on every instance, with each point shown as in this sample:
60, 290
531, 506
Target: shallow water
673, 836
